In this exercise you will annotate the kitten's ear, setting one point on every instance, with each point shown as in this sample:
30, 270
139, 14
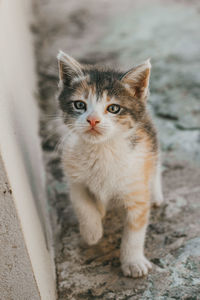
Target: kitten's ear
68, 68
137, 80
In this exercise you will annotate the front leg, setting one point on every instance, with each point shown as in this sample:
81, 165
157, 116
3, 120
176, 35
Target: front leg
133, 261
88, 215
157, 194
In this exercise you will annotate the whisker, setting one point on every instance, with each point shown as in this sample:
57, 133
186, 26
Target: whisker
60, 144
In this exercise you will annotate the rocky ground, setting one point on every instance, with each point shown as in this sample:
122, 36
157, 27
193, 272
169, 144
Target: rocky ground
123, 34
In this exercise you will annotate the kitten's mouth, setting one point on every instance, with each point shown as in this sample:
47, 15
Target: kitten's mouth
93, 131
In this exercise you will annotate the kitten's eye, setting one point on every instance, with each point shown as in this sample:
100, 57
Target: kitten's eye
80, 105
113, 108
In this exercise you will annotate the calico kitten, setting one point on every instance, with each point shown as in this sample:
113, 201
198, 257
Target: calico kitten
111, 152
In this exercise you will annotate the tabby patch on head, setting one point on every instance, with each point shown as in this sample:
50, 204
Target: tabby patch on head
100, 103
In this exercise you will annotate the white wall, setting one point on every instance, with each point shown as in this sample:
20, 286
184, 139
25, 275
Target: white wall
21, 153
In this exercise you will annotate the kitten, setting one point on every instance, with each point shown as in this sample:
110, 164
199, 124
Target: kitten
111, 152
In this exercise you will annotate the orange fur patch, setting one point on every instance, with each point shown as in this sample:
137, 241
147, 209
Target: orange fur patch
101, 208
138, 201
93, 89
141, 220
108, 98
139, 210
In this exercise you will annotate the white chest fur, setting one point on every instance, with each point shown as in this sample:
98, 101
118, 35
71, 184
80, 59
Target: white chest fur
106, 169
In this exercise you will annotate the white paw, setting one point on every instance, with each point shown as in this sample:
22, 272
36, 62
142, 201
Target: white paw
91, 232
136, 267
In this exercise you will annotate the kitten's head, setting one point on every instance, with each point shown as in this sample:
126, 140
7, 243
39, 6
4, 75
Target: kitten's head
98, 103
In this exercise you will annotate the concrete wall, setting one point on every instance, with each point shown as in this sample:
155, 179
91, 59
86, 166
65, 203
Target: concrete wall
26, 264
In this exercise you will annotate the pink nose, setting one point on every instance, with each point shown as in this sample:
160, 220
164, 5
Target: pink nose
93, 121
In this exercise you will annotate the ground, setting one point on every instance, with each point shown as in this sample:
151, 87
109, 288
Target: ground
124, 33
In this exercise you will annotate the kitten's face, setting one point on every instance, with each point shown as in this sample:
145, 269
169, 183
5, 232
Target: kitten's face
99, 104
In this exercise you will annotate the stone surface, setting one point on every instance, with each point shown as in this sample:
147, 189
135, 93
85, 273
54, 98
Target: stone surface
122, 35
